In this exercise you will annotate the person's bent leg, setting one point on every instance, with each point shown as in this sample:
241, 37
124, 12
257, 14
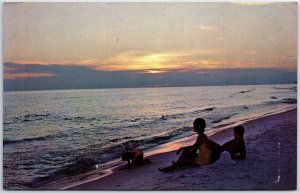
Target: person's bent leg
184, 161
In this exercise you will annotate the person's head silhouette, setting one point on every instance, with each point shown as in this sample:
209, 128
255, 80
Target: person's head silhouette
199, 125
238, 131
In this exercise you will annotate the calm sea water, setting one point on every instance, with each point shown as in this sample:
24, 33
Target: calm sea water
51, 135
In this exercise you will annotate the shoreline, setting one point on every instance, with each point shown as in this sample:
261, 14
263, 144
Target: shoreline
220, 136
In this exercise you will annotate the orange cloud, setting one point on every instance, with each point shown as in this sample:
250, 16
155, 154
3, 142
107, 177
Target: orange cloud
210, 63
164, 61
137, 60
29, 62
14, 76
87, 62
160, 61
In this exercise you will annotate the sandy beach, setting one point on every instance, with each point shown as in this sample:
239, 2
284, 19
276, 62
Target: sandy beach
271, 143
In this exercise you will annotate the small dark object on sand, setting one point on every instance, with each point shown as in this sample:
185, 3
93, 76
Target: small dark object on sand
135, 158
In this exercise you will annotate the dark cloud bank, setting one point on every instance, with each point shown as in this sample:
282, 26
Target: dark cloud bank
80, 77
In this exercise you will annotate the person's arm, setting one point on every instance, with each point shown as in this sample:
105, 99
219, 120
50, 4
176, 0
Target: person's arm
183, 148
242, 153
192, 148
226, 146
197, 144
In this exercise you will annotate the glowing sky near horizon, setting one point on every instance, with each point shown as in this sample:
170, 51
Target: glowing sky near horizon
151, 37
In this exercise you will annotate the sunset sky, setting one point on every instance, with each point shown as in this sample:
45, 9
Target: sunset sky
146, 39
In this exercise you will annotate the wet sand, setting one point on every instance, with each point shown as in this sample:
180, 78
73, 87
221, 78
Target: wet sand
271, 163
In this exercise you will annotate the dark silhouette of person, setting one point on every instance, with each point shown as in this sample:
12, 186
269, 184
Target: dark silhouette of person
189, 154
236, 147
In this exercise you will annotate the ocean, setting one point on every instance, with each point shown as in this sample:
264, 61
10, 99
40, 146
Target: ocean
56, 136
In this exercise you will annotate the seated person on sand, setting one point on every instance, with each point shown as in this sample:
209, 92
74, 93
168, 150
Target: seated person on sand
189, 154
134, 158
236, 147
